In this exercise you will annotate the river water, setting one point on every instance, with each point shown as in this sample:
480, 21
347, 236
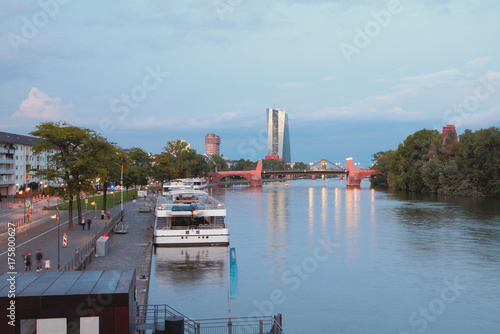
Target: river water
337, 260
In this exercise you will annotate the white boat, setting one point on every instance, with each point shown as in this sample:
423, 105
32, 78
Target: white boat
190, 217
177, 184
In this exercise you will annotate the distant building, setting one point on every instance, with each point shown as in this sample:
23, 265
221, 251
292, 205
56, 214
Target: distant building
212, 143
274, 157
446, 132
278, 138
16, 161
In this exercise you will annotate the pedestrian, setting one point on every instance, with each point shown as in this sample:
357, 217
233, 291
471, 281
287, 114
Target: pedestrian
109, 215
47, 264
88, 223
83, 224
27, 261
39, 259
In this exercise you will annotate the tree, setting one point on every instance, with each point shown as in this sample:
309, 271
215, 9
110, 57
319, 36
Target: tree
220, 163
74, 159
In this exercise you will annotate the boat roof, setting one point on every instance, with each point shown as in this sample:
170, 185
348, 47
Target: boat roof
188, 191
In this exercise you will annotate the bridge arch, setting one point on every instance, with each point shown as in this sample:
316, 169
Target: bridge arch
253, 176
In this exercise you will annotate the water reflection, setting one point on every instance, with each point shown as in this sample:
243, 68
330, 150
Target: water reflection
181, 265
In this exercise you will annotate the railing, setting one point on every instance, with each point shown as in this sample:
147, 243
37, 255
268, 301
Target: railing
7, 182
199, 227
6, 171
7, 161
18, 222
84, 252
152, 317
246, 325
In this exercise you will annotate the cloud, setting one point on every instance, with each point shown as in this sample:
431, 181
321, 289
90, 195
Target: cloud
478, 62
428, 79
40, 105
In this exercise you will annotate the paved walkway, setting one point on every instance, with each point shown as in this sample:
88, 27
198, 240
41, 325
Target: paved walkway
131, 250
127, 251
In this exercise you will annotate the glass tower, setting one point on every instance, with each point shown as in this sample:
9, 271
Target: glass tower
278, 139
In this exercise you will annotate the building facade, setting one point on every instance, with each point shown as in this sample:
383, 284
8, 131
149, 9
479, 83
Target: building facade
17, 161
212, 143
278, 138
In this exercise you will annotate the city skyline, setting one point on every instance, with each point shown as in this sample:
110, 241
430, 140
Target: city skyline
354, 78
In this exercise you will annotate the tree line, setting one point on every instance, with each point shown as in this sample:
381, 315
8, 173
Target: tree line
83, 162
425, 162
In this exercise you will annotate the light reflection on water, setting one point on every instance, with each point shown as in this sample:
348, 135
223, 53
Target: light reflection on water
393, 254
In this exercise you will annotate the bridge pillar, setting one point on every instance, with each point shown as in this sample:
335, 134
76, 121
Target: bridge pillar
355, 176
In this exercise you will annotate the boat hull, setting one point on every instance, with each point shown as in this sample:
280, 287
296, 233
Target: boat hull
169, 238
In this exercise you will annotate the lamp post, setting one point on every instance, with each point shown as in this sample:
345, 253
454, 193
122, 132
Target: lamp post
121, 194
56, 216
24, 205
95, 208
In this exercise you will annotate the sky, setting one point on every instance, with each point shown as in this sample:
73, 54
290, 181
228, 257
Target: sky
355, 77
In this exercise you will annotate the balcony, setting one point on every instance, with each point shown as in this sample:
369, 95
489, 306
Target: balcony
6, 150
6, 161
6, 171
7, 182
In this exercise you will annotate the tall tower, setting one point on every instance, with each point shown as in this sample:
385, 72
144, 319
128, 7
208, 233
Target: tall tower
212, 143
278, 139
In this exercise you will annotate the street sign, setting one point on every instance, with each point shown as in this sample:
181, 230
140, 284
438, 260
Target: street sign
86, 201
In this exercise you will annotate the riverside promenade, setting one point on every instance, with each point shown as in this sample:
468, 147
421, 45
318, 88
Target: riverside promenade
131, 250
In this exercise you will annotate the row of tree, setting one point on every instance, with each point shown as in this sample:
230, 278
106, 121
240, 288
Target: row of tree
426, 163
84, 162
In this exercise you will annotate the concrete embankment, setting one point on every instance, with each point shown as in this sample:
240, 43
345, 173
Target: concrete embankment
131, 250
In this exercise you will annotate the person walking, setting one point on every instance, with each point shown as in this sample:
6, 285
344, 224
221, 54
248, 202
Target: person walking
47, 264
39, 259
88, 223
83, 224
27, 260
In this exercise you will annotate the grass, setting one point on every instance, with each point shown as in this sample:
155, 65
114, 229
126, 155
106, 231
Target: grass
98, 199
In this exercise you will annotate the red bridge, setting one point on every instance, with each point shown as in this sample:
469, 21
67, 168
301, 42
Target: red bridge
254, 177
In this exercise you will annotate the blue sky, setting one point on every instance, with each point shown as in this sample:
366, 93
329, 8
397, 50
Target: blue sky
356, 77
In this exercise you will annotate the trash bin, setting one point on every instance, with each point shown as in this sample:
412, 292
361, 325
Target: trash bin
102, 246
174, 325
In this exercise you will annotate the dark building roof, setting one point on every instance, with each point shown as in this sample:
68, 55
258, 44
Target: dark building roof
12, 138
55, 283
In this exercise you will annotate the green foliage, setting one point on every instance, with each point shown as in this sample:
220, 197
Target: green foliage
470, 167
243, 164
178, 161
300, 166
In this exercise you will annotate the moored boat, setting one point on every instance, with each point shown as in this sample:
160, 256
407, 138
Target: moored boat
189, 217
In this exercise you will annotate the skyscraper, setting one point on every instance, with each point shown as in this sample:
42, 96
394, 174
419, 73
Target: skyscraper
278, 139
212, 143
446, 132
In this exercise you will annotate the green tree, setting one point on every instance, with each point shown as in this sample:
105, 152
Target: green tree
73, 160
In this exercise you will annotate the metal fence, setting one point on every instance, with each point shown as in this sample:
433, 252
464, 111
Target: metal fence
89, 249
152, 317
19, 222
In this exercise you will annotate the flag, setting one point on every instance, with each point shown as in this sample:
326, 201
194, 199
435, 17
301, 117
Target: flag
233, 273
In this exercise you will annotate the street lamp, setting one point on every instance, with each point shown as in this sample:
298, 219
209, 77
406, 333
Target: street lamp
95, 208
24, 206
56, 216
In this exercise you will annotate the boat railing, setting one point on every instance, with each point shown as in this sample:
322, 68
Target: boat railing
198, 227
198, 205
